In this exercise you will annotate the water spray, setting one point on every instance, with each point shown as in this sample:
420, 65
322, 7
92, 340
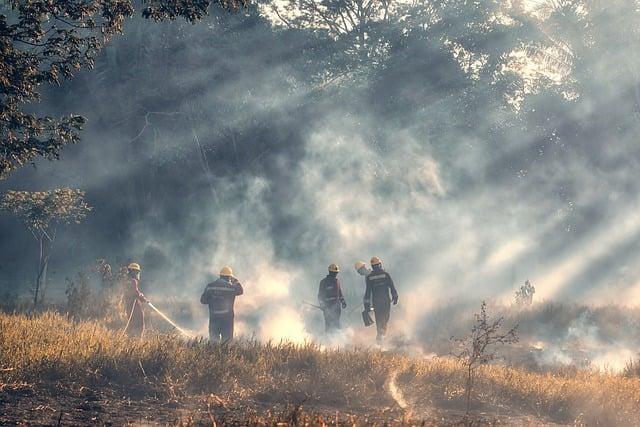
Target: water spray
169, 321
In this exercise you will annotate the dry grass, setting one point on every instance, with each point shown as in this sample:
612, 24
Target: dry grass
48, 348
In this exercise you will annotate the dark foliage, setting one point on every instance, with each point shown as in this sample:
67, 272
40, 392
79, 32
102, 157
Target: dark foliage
47, 42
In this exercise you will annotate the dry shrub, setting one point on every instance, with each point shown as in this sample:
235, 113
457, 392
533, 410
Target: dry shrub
480, 347
96, 294
632, 369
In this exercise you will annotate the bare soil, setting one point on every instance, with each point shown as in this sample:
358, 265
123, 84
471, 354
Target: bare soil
70, 405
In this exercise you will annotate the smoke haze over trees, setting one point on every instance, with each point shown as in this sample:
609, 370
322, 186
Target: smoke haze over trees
46, 42
471, 145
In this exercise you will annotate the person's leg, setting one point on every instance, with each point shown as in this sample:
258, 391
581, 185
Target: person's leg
212, 329
332, 317
226, 330
382, 318
217, 329
135, 326
129, 308
327, 320
141, 321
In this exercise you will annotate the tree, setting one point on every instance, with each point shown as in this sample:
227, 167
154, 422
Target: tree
481, 346
368, 35
45, 41
42, 212
357, 29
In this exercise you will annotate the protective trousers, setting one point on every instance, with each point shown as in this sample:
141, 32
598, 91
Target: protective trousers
382, 319
332, 317
135, 318
220, 328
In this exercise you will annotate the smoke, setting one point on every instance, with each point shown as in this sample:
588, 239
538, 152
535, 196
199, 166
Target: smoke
584, 343
283, 323
211, 145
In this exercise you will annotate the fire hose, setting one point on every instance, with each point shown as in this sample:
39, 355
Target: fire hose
313, 305
169, 321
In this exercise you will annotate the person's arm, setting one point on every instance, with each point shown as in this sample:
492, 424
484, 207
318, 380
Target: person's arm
321, 294
237, 286
343, 303
136, 290
392, 288
204, 298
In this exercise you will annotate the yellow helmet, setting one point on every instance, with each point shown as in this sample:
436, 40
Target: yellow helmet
375, 261
134, 266
226, 271
359, 265
333, 268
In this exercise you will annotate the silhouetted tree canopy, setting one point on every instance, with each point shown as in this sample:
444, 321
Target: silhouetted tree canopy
47, 41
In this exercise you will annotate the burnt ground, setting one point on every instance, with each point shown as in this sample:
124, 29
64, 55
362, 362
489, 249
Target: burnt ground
69, 405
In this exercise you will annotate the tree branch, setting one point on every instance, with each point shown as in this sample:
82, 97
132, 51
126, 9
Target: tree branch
288, 23
147, 122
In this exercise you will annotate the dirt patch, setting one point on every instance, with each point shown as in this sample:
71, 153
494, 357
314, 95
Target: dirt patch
69, 405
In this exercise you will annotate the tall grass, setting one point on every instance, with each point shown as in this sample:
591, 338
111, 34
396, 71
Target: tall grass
48, 348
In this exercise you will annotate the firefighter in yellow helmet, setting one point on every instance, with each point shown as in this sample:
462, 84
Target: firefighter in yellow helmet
362, 269
220, 295
330, 299
133, 300
379, 285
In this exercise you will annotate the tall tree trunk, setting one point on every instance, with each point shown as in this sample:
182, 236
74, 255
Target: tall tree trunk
45, 267
43, 279
46, 248
40, 266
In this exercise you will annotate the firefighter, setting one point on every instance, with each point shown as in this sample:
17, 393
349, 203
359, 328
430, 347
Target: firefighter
133, 300
525, 295
379, 285
330, 299
362, 269
220, 295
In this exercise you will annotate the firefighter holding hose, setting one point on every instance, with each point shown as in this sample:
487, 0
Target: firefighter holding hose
220, 295
133, 300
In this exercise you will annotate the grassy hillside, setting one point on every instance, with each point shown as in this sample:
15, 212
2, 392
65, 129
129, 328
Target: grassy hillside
48, 352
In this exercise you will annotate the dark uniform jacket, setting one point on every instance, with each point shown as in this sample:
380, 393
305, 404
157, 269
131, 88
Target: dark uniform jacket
329, 292
379, 284
221, 295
